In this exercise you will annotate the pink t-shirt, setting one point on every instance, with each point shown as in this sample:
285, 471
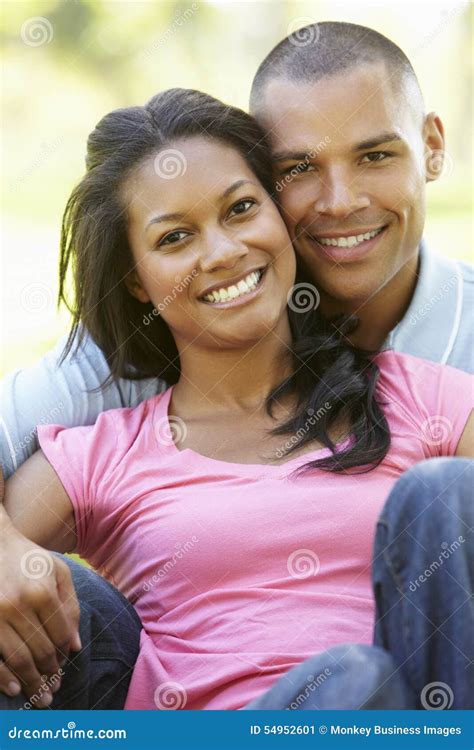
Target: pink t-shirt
237, 571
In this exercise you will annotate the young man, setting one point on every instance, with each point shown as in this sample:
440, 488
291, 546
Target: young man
352, 149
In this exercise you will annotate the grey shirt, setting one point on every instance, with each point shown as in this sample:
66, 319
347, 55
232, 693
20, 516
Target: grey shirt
438, 326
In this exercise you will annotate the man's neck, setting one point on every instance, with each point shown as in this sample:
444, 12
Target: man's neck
379, 314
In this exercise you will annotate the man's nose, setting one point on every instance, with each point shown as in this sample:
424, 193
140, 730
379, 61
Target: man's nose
221, 250
340, 195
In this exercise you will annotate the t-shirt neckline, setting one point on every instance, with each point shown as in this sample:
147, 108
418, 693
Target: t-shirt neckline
161, 416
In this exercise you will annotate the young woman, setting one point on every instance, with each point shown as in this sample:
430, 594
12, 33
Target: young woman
237, 509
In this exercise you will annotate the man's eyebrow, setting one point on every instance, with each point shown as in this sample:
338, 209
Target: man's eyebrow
178, 216
377, 140
291, 155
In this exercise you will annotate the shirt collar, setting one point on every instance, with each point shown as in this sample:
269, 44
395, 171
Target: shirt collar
430, 325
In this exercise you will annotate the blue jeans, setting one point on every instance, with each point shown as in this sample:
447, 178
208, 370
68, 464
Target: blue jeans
422, 654
98, 676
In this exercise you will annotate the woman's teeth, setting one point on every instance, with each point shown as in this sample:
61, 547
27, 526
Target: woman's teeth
352, 241
245, 286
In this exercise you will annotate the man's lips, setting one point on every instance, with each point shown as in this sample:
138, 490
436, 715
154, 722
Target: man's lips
347, 246
342, 238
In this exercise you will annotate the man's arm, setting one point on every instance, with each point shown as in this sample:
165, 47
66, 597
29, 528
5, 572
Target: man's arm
39, 611
68, 394
466, 444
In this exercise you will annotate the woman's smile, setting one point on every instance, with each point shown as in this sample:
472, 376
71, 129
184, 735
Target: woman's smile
238, 292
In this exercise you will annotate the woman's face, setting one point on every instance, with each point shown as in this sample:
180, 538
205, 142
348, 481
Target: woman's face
210, 248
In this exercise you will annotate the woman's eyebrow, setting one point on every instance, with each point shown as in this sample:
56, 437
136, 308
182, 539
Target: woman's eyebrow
235, 186
164, 217
178, 216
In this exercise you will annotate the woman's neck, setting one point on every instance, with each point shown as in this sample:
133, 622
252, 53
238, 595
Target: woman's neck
233, 379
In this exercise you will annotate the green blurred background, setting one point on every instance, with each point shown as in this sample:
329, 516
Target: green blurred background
68, 62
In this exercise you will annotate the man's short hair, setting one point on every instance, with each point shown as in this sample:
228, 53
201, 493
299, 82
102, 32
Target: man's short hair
326, 49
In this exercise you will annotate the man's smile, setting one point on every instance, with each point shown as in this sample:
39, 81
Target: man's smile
347, 246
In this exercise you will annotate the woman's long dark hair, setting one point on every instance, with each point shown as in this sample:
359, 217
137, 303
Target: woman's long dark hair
332, 381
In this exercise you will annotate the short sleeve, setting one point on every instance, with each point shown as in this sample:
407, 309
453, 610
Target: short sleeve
84, 459
435, 400
449, 403
68, 393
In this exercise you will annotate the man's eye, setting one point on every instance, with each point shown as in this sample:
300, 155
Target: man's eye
172, 238
242, 207
375, 156
295, 169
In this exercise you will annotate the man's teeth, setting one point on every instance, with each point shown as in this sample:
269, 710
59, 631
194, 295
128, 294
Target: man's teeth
236, 290
352, 241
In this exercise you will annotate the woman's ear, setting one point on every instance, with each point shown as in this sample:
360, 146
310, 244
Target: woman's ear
135, 287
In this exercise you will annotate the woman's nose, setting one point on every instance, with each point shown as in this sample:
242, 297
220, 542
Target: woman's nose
222, 250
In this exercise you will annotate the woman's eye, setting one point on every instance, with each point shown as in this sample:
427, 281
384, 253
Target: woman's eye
242, 207
172, 238
375, 156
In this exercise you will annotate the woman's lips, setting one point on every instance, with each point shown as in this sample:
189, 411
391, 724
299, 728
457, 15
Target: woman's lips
347, 254
242, 299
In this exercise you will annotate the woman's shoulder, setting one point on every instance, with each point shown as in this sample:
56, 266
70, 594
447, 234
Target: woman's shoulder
394, 364
425, 399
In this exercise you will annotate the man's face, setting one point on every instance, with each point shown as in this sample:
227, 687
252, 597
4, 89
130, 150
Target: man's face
349, 155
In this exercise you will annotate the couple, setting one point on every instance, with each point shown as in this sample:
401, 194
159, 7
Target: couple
265, 441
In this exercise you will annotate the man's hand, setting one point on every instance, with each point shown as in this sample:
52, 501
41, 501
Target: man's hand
39, 615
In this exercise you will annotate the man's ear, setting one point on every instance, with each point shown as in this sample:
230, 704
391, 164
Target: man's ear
135, 287
433, 137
